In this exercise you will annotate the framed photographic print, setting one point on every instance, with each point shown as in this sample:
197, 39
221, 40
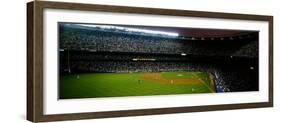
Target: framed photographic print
95, 61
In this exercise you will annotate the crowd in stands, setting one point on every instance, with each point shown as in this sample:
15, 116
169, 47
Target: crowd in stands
132, 66
249, 50
74, 38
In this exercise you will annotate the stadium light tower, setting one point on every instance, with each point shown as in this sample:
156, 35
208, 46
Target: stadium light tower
68, 62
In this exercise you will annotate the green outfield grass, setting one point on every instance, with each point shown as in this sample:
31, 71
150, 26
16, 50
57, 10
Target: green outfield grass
133, 84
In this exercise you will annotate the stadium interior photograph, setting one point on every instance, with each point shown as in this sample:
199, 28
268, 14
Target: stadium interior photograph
104, 60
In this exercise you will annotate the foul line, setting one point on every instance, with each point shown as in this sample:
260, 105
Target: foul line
203, 83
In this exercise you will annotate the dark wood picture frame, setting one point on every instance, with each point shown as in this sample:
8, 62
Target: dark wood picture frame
35, 60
